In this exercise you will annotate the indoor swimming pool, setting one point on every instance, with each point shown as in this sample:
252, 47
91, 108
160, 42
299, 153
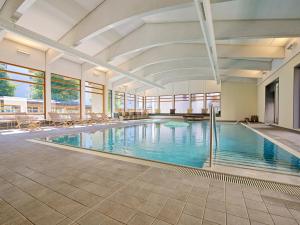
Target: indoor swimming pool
187, 145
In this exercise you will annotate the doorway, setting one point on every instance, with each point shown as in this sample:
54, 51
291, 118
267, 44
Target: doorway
297, 97
272, 103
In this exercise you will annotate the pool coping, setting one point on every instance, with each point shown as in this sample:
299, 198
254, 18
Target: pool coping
210, 172
278, 143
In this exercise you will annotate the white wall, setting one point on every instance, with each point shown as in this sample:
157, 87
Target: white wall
9, 54
286, 87
238, 100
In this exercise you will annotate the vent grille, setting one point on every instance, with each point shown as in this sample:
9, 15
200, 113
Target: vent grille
262, 184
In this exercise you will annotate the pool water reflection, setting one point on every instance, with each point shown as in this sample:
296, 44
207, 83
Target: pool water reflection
188, 146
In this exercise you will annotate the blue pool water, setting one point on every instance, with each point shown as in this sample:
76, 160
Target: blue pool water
188, 146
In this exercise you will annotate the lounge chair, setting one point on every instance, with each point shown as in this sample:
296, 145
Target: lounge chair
29, 122
96, 118
57, 120
76, 119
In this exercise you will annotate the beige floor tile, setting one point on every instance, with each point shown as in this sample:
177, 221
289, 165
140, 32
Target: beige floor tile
150, 208
85, 198
215, 216
141, 218
215, 205
206, 222
160, 222
260, 216
171, 212
116, 211
237, 210
279, 220
235, 220
257, 205
194, 210
96, 218
280, 211
197, 200
189, 220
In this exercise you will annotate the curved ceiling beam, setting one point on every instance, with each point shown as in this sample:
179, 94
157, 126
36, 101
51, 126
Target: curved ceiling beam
167, 53
114, 12
150, 35
184, 72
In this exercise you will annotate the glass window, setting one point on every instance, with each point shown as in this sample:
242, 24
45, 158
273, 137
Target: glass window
21, 90
119, 101
182, 103
215, 100
151, 103
65, 94
139, 103
166, 103
197, 102
130, 102
94, 94
109, 103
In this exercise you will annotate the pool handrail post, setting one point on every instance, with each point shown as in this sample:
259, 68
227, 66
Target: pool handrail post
211, 135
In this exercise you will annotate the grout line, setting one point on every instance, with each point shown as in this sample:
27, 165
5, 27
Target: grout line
95, 206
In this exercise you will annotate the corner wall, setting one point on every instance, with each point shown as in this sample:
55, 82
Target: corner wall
286, 93
238, 100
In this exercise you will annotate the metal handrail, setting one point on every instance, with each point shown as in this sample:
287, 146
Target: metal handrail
212, 132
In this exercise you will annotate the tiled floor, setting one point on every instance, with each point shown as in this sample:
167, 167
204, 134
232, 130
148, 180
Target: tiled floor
44, 185
287, 137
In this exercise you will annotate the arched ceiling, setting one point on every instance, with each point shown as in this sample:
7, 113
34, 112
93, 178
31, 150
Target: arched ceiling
161, 40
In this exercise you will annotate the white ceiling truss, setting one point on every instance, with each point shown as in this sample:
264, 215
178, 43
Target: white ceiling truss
154, 42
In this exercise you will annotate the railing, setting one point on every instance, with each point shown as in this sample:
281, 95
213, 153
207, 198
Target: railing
212, 132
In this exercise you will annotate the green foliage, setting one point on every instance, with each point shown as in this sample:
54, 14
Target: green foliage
6, 87
61, 89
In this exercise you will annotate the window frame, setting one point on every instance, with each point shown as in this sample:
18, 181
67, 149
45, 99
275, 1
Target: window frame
43, 84
69, 78
100, 88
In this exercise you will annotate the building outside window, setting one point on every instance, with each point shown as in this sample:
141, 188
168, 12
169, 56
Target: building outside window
215, 100
166, 103
94, 97
109, 103
65, 94
151, 103
198, 104
139, 103
119, 101
130, 102
21, 89
182, 103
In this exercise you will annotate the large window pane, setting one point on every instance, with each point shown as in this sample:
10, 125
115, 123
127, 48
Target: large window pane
65, 94
130, 102
182, 103
119, 101
93, 97
166, 103
139, 103
215, 100
198, 102
151, 103
21, 91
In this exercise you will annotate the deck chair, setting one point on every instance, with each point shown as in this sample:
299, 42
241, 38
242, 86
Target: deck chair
57, 120
26, 121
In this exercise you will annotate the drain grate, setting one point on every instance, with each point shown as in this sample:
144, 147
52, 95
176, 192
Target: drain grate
262, 184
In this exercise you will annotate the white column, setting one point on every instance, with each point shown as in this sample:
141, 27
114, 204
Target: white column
82, 99
48, 91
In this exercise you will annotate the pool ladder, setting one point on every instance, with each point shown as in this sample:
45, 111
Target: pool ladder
212, 133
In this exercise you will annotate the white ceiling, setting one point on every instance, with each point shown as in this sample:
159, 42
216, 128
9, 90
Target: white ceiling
57, 19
